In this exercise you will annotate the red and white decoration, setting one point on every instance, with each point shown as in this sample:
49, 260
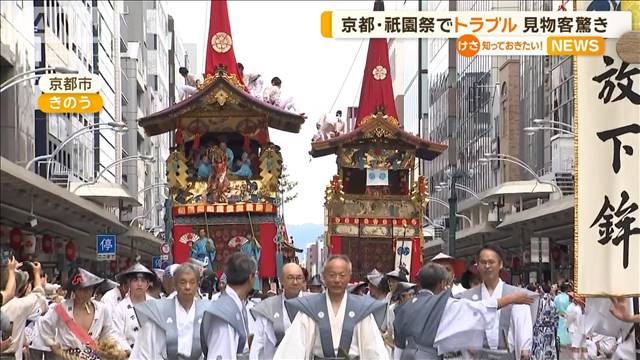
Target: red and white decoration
29, 243
47, 244
15, 239
237, 241
70, 250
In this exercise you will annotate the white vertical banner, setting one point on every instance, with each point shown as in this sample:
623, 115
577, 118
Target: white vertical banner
544, 249
535, 250
403, 254
607, 222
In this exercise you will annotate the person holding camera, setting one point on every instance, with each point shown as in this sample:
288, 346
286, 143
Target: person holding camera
29, 299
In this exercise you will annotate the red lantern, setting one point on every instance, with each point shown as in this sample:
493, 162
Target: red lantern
70, 250
515, 263
47, 244
15, 239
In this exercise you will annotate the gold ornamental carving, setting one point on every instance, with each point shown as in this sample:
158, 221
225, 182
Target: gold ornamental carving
366, 158
221, 97
270, 168
177, 170
420, 193
378, 132
380, 115
221, 72
333, 192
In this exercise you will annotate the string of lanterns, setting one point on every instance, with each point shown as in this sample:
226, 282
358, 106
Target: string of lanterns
27, 241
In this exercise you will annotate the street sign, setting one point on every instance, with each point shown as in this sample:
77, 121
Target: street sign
164, 248
106, 247
155, 262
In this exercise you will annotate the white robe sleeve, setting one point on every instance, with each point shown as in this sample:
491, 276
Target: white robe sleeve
147, 345
47, 326
454, 334
370, 343
521, 330
397, 353
260, 340
119, 325
109, 330
222, 341
298, 341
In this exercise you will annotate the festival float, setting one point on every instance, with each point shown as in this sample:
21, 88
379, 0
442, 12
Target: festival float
223, 172
376, 202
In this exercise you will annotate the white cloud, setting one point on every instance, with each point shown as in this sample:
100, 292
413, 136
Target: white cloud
283, 39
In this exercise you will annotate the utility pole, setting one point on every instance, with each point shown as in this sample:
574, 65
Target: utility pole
453, 211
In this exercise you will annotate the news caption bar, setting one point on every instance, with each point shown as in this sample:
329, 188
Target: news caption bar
487, 33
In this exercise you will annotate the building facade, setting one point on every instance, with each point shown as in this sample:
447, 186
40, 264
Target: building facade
481, 106
17, 48
127, 45
148, 64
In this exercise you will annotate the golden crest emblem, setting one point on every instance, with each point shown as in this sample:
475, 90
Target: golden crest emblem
221, 42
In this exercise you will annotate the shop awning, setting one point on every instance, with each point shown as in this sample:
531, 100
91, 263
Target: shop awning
525, 189
139, 234
107, 194
547, 209
24, 195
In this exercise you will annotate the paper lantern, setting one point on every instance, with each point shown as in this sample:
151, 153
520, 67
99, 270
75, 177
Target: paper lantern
29, 243
70, 250
15, 239
47, 244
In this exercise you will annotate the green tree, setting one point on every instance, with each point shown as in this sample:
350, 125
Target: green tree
287, 186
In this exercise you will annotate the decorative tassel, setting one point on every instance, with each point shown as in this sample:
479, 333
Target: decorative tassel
196, 142
262, 137
246, 146
178, 137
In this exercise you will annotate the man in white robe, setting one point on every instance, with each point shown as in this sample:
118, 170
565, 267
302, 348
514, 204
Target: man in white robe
190, 86
271, 316
124, 316
434, 323
170, 328
92, 318
224, 332
512, 329
113, 297
323, 323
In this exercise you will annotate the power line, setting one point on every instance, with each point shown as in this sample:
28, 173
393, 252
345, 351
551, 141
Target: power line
347, 76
